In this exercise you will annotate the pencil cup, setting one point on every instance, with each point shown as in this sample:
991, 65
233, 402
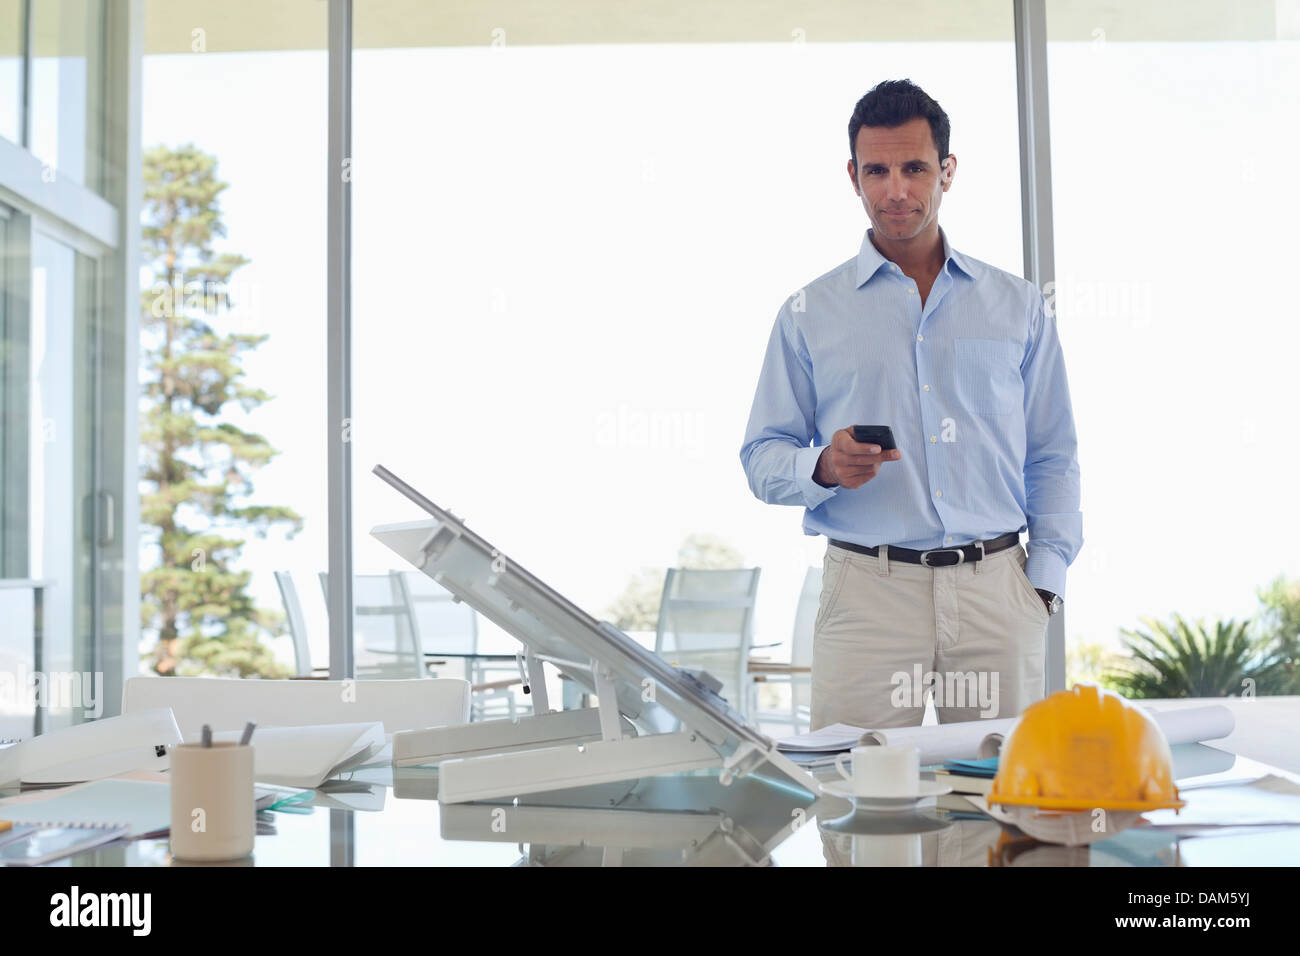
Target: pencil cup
213, 817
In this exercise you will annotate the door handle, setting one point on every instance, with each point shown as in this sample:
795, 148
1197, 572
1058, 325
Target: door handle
108, 523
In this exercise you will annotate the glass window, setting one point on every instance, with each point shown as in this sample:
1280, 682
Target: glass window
251, 102
1172, 126
13, 404
67, 88
570, 245
48, 376
16, 604
60, 350
52, 461
12, 33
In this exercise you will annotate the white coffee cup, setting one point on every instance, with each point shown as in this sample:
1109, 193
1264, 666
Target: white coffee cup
882, 771
213, 816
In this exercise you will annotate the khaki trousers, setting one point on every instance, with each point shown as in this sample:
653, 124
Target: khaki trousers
888, 633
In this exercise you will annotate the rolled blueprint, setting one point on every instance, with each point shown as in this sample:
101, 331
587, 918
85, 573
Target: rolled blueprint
977, 739
1185, 725
966, 740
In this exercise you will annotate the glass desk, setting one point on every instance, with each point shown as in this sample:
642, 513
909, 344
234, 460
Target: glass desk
385, 816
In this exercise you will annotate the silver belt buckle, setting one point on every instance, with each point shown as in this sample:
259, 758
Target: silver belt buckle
961, 557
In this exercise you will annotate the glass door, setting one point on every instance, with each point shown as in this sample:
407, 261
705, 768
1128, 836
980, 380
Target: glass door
53, 522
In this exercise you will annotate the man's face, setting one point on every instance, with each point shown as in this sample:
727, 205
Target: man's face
900, 178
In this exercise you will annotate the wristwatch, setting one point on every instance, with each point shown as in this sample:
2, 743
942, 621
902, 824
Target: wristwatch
1054, 601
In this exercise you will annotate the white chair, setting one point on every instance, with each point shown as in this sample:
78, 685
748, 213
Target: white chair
797, 673
706, 622
384, 644
444, 625
297, 627
227, 703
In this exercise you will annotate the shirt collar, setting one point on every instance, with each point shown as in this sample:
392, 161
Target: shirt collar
870, 260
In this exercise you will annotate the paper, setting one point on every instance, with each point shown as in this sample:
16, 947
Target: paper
36, 847
92, 750
141, 806
351, 795
812, 760
1269, 801
307, 756
940, 742
833, 738
937, 742
980, 739
1185, 725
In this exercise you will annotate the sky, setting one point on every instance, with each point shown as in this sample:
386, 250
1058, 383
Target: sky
567, 262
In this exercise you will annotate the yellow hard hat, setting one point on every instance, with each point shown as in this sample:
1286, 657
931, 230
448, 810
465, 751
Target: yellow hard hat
1082, 749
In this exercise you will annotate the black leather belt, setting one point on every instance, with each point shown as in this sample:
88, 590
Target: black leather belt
940, 557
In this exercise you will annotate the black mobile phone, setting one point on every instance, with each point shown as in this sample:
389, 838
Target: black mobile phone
881, 435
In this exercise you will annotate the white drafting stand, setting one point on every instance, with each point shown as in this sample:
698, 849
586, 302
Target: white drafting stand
652, 718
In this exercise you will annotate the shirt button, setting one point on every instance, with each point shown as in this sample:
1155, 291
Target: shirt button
949, 537
926, 387
933, 439
911, 292
938, 494
920, 338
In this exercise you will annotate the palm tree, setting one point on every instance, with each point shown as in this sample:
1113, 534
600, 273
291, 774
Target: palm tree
1278, 627
1195, 660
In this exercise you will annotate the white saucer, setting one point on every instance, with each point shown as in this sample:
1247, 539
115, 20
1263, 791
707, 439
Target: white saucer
925, 788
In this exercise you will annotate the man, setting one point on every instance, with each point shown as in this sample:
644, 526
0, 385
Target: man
924, 572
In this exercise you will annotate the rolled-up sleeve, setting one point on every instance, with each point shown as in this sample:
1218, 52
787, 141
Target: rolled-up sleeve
777, 455
1051, 457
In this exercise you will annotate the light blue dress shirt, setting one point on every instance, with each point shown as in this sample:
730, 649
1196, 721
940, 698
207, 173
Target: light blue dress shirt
973, 385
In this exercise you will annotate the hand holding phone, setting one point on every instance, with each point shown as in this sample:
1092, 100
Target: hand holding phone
844, 462
881, 435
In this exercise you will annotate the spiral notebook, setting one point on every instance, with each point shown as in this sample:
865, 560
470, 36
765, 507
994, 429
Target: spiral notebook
32, 846
141, 806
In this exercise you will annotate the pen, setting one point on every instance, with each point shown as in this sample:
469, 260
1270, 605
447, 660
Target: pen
247, 735
207, 736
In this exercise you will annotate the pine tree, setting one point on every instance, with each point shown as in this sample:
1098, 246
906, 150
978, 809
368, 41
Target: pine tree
196, 467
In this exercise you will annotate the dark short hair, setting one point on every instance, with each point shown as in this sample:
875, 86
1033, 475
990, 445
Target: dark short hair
891, 104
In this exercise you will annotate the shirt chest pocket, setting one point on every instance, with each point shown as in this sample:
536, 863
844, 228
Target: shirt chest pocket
987, 373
